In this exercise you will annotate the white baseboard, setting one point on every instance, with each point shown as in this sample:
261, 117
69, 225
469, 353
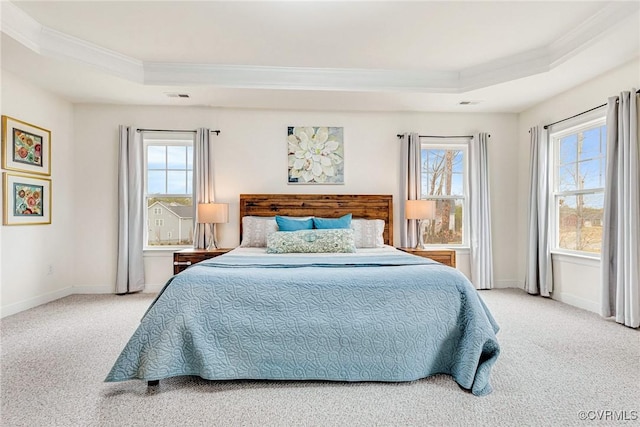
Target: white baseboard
17, 307
506, 284
71, 290
577, 302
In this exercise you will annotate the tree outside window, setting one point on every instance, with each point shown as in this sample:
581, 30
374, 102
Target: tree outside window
444, 180
579, 174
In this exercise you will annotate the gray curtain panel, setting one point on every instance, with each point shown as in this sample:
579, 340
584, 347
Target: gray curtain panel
480, 201
410, 186
539, 274
130, 267
620, 257
202, 184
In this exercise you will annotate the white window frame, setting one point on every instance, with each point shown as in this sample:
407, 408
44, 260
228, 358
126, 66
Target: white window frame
461, 144
588, 121
167, 139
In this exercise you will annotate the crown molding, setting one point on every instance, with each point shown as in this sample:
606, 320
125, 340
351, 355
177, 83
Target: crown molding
548, 57
20, 26
261, 77
59, 45
55, 44
51, 43
501, 70
591, 30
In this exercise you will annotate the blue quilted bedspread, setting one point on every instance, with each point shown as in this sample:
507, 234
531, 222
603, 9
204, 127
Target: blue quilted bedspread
396, 317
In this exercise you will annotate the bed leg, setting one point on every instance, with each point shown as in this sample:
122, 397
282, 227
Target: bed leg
153, 383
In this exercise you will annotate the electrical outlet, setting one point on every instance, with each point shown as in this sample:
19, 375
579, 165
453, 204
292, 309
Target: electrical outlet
50, 270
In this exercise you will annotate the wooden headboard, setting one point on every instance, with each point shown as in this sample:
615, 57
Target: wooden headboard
376, 206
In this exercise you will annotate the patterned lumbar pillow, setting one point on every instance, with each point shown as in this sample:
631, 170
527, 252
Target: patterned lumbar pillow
311, 241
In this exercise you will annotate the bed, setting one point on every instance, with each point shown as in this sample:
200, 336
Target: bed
370, 314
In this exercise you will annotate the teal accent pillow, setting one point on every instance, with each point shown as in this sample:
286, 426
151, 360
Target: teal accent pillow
311, 241
327, 223
290, 224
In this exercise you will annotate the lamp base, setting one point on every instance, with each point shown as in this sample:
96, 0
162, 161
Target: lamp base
212, 242
421, 245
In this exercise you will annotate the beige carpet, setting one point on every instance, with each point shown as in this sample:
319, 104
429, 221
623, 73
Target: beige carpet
556, 361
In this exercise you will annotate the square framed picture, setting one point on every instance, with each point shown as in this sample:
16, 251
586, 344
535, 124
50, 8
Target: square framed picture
25, 147
316, 155
27, 200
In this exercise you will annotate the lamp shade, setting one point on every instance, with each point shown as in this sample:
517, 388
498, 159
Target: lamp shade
213, 213
420, 209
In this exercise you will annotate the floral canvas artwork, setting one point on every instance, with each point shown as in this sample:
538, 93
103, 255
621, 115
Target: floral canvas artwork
27, 148
27, 199
316, 155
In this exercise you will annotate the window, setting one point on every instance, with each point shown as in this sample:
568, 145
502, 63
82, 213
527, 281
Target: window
168, 188
579, 159
444, 180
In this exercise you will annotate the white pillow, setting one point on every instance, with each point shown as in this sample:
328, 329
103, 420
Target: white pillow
368, 233
255, 230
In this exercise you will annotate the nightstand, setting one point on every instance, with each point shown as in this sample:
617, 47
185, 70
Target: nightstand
186, 257
444, 256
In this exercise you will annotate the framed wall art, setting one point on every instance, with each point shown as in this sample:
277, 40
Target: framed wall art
25, 147
316, 155
27, 199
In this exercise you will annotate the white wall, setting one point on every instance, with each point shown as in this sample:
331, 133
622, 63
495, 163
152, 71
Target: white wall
250, 157
29, 252
96, 150
576, 281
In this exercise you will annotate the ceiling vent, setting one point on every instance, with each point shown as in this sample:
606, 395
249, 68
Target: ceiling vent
177, 95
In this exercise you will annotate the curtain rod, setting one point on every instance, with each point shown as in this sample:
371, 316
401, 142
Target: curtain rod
579, 114
217, 132
441, 136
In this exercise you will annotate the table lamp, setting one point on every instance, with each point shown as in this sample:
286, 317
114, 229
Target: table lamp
420, 210
212, 214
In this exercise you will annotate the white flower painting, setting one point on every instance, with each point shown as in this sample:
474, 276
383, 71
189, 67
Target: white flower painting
316, 155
